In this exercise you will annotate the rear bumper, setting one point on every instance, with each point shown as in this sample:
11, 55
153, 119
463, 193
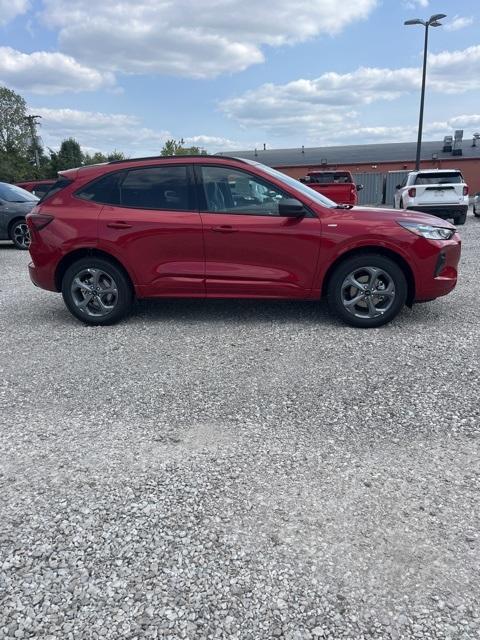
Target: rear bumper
42, 277
441, 211
439, 271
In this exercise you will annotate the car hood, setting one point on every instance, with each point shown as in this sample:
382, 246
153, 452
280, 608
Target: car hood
402, 214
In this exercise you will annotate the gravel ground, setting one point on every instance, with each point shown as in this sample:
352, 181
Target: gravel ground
241, 470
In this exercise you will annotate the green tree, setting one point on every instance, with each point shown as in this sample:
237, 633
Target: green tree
174, 148
99, 157
96, 158
14, 137
116, 155
69, 156
14, 129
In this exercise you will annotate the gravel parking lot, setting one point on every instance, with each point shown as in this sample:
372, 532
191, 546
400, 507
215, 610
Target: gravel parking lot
241, 470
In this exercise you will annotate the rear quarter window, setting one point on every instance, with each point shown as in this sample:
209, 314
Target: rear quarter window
104, 190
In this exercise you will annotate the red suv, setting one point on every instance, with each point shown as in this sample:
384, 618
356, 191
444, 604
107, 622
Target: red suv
217, 227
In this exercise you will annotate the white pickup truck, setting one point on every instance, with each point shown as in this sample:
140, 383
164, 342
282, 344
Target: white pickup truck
441, 192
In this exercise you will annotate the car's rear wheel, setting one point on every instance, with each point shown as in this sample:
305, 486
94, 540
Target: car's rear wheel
401, 206
367, 290
20, 235
96, 291
476, 212
461, 219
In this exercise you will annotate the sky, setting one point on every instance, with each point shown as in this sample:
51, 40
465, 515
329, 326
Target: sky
237, 74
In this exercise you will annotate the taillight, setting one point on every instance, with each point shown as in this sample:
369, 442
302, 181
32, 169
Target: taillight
412, 192
38, 220
465, 191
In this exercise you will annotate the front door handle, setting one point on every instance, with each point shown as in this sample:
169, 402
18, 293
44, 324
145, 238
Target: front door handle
119, 225
225, 228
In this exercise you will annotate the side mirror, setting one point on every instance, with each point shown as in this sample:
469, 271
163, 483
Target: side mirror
360, 187
291, 208
399, 186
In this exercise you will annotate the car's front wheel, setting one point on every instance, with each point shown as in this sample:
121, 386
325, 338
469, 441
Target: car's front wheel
20, 235
367, 290
96, 291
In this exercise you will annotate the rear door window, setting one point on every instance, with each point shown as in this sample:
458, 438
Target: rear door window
158, 188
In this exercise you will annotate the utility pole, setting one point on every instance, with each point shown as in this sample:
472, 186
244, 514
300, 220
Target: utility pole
433, 21
32, 123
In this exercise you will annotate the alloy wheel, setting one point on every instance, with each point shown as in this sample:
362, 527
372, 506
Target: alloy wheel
368, 292
94, 292
21, 235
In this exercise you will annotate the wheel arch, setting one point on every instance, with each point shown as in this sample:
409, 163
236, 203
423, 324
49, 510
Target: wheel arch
383, 251
71, 257
13, 221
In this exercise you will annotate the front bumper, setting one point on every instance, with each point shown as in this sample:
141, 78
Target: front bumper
441, 211
439, 270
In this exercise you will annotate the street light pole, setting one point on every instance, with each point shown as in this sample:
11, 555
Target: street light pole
433, 21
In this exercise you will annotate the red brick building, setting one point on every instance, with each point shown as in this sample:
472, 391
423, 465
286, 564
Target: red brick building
375, 158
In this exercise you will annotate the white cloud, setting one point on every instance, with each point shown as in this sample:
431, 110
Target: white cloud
455, 71
195, 38
10, 9
331, 100
211, 142
458, 22
96, 131
47, 73
471, 121
413, 4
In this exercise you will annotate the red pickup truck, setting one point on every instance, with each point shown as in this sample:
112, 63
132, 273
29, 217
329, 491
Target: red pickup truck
336, 185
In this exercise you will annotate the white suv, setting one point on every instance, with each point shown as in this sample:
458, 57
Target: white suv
441, 192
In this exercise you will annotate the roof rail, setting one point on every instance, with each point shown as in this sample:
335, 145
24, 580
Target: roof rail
193, 155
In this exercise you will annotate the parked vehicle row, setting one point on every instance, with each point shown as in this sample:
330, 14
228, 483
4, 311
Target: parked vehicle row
218, 227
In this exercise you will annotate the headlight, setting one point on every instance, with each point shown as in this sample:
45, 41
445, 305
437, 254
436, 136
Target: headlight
427, 230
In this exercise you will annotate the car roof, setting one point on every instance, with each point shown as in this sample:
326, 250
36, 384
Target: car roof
436, 171
128, 162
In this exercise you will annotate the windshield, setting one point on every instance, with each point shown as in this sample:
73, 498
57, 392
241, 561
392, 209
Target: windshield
11, 193
291, 182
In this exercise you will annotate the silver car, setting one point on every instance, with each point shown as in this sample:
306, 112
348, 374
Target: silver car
15, 203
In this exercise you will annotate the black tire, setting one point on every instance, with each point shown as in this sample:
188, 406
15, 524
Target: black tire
111, 296
391, 278
400, 204
476, 212
461, 219
19, 234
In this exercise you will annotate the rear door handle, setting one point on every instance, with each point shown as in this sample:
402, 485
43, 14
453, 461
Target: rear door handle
119, 225
225, 228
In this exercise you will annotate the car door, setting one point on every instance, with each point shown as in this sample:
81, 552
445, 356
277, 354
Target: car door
250, 250
150, 222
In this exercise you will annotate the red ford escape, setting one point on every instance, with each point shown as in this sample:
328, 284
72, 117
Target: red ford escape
217, 227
